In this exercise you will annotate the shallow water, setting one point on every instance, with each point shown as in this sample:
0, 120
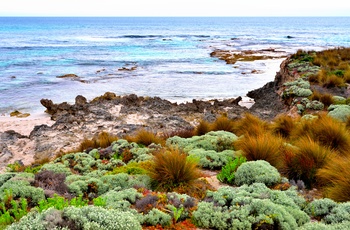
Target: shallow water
171, 56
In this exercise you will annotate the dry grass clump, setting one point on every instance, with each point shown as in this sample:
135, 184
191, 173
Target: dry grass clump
330, 81
335, 177
202, 128
145, 138
184, 133
332, 58
283, 125
326, 98
303, 161
102, 140
325, 130
223, 123
262, 147
250, 125
335, 67
172, 168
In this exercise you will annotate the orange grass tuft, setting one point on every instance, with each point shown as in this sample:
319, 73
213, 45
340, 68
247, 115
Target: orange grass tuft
202, 128
283, 125
333, 81
325, 130
307, 159
172, 168
330, 133
184, 133
145, 138
103, 140
250, 125
223, 123
335, 177
262, 147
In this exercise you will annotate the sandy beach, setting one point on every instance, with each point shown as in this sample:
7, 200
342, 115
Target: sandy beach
24, 125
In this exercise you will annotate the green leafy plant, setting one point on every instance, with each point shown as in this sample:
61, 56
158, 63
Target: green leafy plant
100, 201
59, 203
12, 210
177, 212
227, 174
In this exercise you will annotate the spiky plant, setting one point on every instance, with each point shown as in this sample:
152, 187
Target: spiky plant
330, 133
202, 128
333, 81
102, 140
262, 147
184, 133
283, 125
223, 123
250, 125
307, 159
335, 177
145, 138
327, 99
172, 168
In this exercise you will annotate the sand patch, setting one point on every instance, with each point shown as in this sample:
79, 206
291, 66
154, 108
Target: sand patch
24, 125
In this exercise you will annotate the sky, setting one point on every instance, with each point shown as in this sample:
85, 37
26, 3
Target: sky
123, 8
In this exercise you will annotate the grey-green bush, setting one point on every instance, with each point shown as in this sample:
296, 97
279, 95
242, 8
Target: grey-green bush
259, 171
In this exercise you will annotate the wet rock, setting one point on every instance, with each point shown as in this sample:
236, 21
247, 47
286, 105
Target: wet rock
80, 100
5, 156
19, 114
68, 76
10, 137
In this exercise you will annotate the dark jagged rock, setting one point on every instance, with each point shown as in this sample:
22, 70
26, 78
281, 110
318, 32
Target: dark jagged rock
68, 76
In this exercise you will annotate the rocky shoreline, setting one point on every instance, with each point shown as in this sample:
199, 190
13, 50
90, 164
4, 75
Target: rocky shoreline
121, 115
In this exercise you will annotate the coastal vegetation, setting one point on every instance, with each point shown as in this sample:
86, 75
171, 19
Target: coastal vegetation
288, 173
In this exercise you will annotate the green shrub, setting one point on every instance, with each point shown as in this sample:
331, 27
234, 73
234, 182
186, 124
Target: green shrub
11, 210
22, 189
339, 214
5, 177
257, 172
155, 217
340, 112
227, 174
91, 217
88, 217
214, 140
210, 216
320, 208
212, 159
60, 203
322, 226
249, 207
121, 200
123, 181
56, 168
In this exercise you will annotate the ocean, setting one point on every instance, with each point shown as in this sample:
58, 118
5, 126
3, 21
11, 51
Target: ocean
152, 56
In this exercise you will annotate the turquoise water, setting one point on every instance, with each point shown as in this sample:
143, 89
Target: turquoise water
171, 55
